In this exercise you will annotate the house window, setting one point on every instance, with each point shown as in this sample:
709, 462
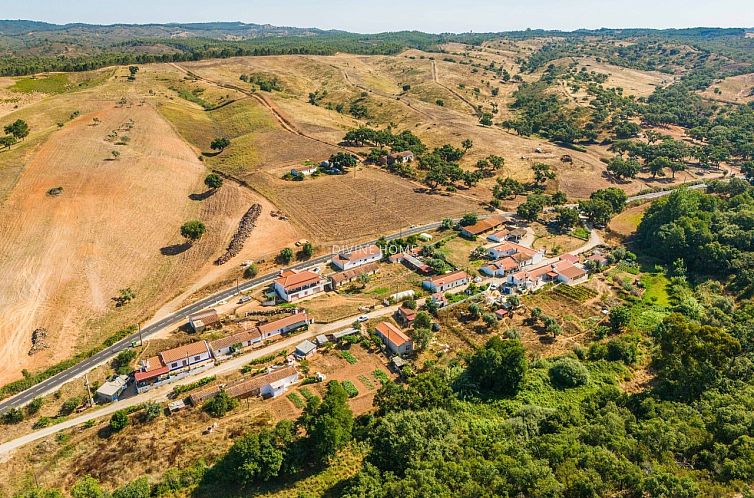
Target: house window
197, 358
173, 365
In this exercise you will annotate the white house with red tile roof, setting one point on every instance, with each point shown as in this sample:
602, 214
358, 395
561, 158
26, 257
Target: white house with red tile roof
395, 340
361, 256
532, 278
500, 267
446, 281
173, 364
499, 236
227, 345
559, 271
283, 325
568, 273
292, 285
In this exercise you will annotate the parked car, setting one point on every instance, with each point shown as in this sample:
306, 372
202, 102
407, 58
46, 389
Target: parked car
362, 319
244, 299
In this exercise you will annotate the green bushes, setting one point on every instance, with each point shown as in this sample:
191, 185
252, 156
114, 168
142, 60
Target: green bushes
178, 390
350, 389
296, 400
118, 421
350, 358
567, 373
220, 404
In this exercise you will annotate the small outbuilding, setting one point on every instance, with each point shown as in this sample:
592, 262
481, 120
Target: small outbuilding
112, 389
305, 349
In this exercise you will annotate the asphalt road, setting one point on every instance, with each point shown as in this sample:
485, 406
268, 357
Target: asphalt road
51, 384
54, 382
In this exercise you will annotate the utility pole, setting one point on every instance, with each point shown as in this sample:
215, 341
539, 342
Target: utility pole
88, 390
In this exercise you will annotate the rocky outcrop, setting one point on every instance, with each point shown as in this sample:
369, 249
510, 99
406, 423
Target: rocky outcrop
245, 227
38, 341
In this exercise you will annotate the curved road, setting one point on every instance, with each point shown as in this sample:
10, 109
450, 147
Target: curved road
54, 382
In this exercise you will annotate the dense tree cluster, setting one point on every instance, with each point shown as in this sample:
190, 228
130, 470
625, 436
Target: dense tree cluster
711, 233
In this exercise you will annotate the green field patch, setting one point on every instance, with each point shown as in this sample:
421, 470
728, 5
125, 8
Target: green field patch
307, 394
367, 383
350, 389
381, 376
655, 288
350, 358
296, 400
54, 83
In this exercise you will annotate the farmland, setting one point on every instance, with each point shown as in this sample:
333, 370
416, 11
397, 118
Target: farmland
554, 369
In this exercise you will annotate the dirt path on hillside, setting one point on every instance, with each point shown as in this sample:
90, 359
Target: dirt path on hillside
283, 120
436, 79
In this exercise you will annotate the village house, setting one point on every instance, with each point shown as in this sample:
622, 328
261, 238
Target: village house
358, 257
499, 235
560, 271
570, 258
395, 340
270, 384
344, 277
438, 299
447, 281
568, 273
302, 171
173, 364
500, 267
230, 344
284, 325
398, 157
415, 264
201, 320
531, 279
523, 255
292, 285
406, 316
482, 226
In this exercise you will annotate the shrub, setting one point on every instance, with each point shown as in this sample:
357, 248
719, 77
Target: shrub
220, 404
251, 271
13, 416
152, 410
350, 389
622, 349
69, 405
567, 372
118, 421
34, 406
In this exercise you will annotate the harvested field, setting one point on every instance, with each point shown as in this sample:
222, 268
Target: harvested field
363, 204
66, 256
735, 90
625, 223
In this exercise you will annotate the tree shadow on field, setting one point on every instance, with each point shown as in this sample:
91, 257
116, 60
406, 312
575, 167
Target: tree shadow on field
175, 249
202, 196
